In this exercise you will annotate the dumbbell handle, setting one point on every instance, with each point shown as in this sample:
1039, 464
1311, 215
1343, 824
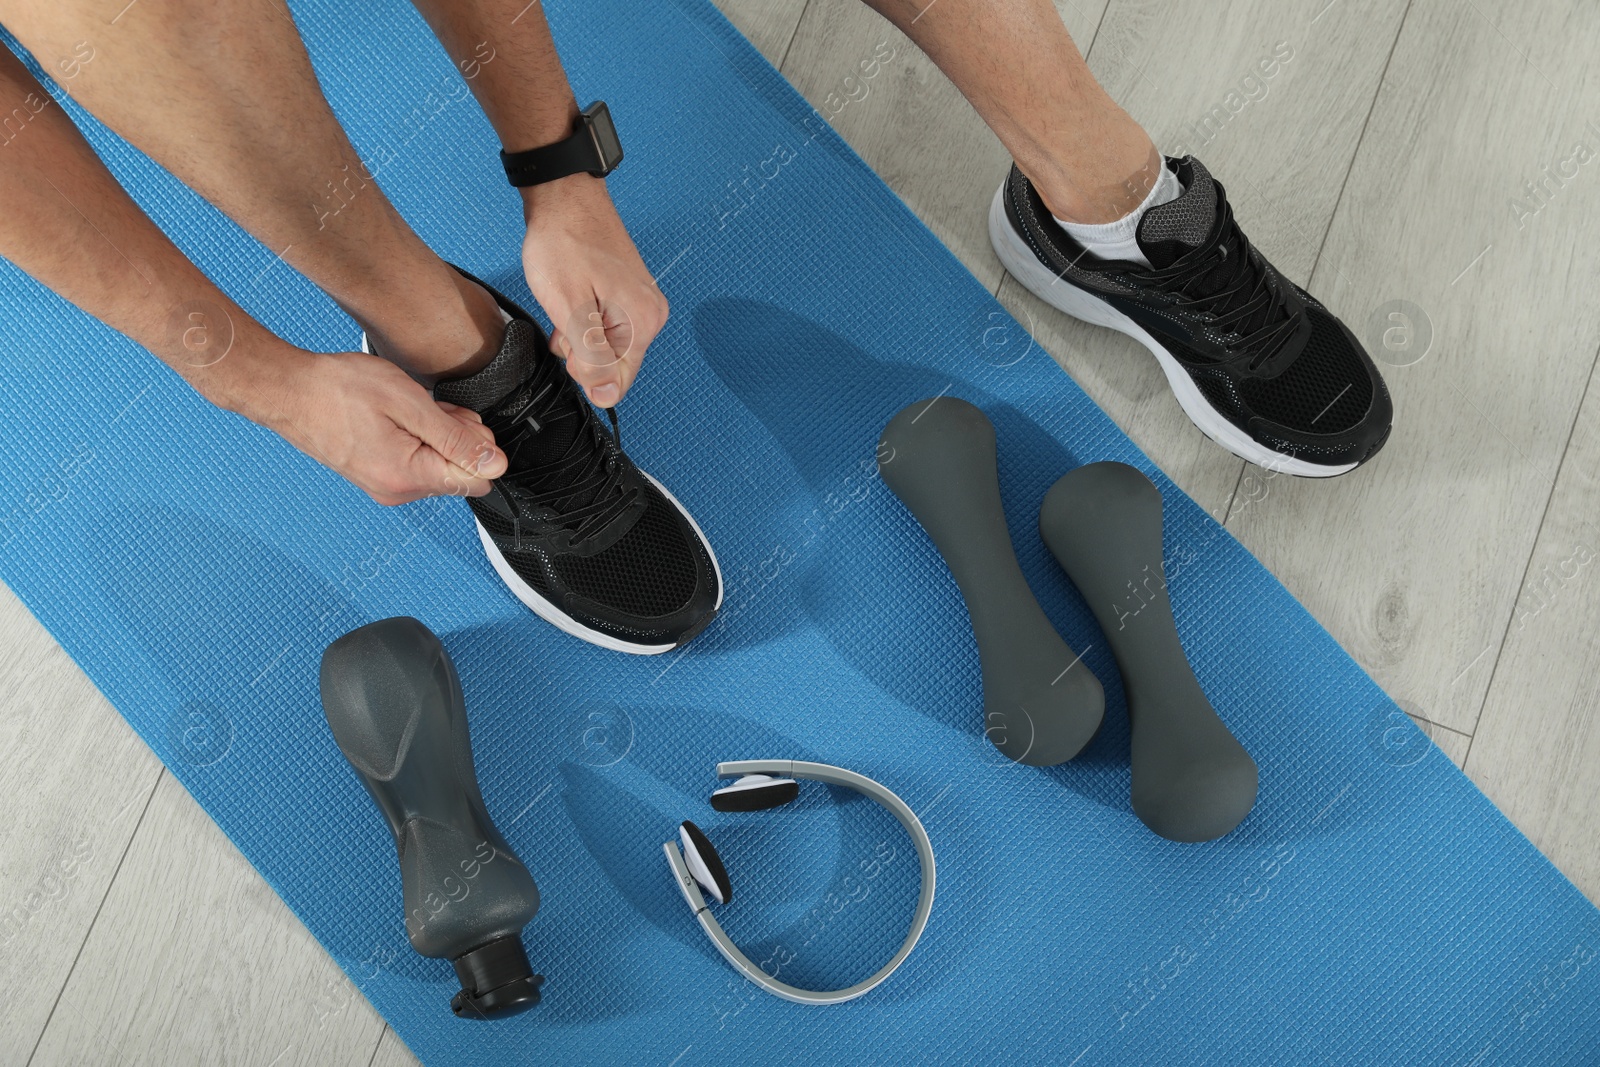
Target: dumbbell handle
1041, 704
1192, 780
970, 532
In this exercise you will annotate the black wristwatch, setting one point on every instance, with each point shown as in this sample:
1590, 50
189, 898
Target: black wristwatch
593, 147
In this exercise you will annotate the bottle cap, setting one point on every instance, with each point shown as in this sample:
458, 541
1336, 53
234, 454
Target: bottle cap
496, 980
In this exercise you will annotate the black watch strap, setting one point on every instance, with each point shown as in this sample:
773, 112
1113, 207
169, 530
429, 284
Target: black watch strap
546, 164
592, 148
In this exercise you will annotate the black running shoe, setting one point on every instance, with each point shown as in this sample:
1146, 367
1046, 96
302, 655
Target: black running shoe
583, 537
1258, 364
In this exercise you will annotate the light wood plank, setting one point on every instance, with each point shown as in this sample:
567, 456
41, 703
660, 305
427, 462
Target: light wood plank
1281, 143
906, 119
194, 960
1537, 746
1282, 157
1452, 743
1414, 562
768, 24
75, 786
392, 1052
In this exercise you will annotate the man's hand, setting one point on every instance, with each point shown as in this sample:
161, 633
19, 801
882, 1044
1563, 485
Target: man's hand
585, 272
366, 419
581, 265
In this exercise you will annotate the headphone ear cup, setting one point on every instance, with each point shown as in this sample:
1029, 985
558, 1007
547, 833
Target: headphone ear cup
755, 792
703, 862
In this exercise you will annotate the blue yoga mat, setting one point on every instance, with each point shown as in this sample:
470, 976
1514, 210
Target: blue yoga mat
1374, 909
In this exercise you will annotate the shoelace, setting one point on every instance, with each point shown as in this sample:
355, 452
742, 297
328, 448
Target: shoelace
1219, 307
585, 471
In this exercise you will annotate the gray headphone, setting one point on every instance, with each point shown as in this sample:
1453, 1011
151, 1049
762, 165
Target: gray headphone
697, 865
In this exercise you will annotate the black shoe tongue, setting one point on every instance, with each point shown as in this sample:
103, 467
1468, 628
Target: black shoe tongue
506, 386
1167, 231
559, 425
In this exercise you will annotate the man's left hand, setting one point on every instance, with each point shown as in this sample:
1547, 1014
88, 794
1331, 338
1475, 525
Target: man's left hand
585, 272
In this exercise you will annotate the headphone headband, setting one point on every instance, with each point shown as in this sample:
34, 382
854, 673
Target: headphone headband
821, 772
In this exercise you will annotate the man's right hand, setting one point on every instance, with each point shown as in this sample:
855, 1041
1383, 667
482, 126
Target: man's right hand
368, 420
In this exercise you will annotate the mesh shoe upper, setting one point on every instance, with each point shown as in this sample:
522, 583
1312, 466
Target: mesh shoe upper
1326, 390
649, 571
1263, 353
573, 517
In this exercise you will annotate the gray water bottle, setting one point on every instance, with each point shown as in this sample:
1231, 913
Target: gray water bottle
394, 703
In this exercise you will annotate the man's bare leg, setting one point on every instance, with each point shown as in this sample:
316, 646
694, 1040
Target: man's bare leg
1097, 172
581, 265
1015, 63
70, 225
221, 93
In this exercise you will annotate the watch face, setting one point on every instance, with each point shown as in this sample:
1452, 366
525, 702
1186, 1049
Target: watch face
598, 118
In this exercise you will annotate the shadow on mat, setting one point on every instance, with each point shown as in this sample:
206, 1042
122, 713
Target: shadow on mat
873, 583
212, 620
235, 629
613, 804
822, 886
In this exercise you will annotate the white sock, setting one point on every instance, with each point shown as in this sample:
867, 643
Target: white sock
1117, 240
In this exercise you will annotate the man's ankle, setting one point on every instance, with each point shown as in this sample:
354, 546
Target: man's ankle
1102, 196
454, 337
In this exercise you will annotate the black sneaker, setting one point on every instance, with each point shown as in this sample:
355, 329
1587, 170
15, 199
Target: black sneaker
1259, 365
583, 537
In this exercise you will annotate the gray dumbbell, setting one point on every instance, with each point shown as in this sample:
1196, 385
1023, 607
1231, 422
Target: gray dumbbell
394, 703
1041, 703
1192, 780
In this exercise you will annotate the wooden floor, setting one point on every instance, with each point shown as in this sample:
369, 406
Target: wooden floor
1379, 168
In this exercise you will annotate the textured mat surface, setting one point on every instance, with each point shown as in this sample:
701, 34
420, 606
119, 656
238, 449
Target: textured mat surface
1374, 909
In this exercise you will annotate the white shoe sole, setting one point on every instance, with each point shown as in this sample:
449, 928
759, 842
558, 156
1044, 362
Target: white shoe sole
1023, 265
566, 623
